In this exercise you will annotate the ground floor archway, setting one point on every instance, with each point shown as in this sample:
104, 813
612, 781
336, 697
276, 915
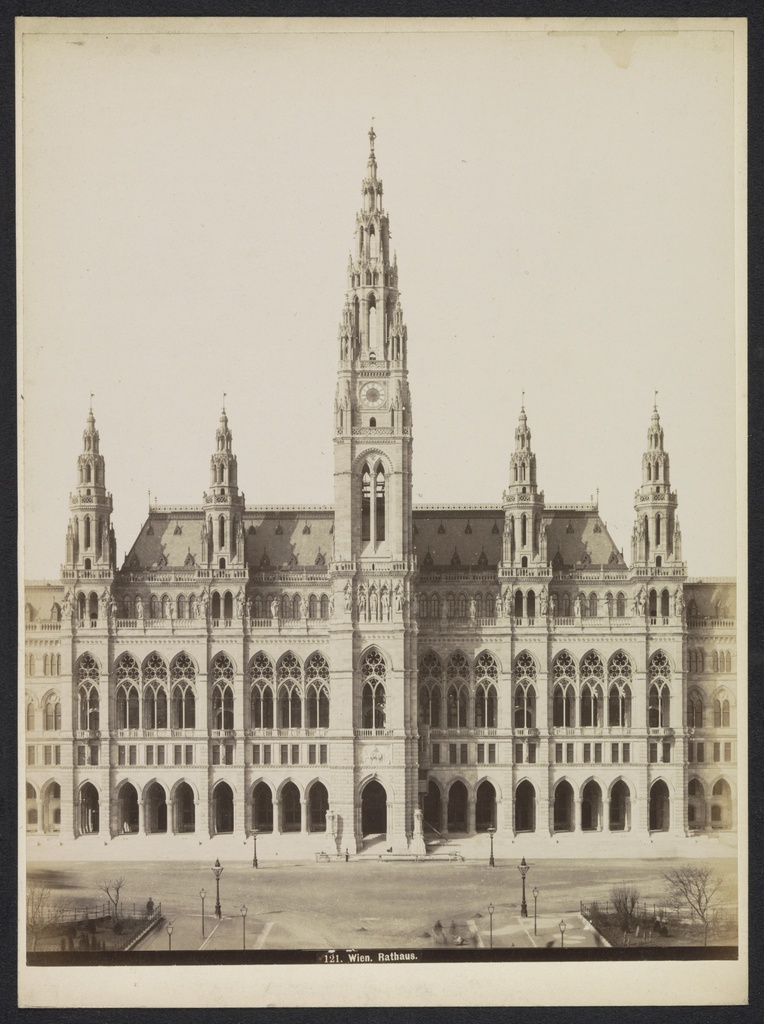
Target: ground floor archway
291, 808
431, 808
660, 807
485, 807
525, 807
89, 809
185, 808
155, 807
222, 808
563, 807
620, 807
591, 807
318, 805
373, 808
128, 808
458, 803
262, 808
721, 805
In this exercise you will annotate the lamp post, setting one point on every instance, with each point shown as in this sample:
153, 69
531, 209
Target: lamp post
169, 935
254, 851
243, 913
202, 893
217, 872
490, 924
562, 934
535, 908
491, 861
523, 868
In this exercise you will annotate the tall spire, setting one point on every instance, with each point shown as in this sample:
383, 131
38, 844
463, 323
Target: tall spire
223, 530
524, 541
656, 539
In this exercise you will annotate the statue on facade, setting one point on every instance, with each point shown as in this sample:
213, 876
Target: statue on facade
248, 609
499, 606
579, 606
678, 602
373, 604
205, 604
444, 610
639, 601
239, 603
473, 609
398, 598
103, 603
331, 606
414, 605
385, 604
543, 601
348, 592
361, 602
275, 608
139, 607
553, 604
68, 606
193, 607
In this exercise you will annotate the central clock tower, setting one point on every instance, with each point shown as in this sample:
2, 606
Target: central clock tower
373, 631
372, 445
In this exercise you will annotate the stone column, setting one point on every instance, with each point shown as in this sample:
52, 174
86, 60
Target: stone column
471, 809
577, 822
605, 823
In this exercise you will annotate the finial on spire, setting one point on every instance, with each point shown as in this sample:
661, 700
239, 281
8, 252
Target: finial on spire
655, 399
224, 394
522, 400
92, 396
372, 135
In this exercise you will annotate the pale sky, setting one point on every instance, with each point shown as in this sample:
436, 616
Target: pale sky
562, 207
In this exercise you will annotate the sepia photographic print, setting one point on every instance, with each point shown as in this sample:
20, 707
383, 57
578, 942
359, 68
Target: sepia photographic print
382, 403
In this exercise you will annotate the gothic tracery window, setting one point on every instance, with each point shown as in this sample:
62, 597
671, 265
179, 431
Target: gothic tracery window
592, 678
261, 677
127, 676
619, 690
564, 693
457, 695
183, 676
525, 691
317, 691
659, 695
290, 692
373, 702
155, 693
486, 681
430, 689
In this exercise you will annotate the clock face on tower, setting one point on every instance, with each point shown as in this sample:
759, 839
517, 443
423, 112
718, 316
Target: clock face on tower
373, 394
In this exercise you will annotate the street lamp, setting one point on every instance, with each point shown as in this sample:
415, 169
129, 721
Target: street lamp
523, 868
491, 861
202, 893
490, 923
535, 908
217, 872
243, 913
169, 935
254, 851
562, 934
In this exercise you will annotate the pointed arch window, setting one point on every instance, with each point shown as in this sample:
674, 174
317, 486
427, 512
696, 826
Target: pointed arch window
373, 696
290, 692
620, 605
312, 607
365, 504
317, 691
564, 693
592, 677
127, 676
525, 691
52, 715
324, 606
457, 695
221, 532
30, 717
430, 690
379, 491
183, 675
154, 607
695, 710
593, 606
155, 693
619, 690
87, 532
262, 690
222, 692
659, 695
486, 681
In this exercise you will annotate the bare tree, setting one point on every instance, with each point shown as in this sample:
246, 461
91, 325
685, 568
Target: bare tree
39, 910
625, 899
112, 889
696, 886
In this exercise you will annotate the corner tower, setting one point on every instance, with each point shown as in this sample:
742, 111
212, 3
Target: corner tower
372, 444
656, 539
223, 528
90, 541
524, 540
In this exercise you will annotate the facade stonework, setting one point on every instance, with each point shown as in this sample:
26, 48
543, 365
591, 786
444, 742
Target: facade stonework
374, 670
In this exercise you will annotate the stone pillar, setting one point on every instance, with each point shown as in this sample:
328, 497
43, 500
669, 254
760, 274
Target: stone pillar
605, 823
141, 817
577, 822
304, 807
471, 809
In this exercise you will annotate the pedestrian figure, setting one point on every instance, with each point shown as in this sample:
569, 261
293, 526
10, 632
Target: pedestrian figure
438, 933
347, 856
149, 907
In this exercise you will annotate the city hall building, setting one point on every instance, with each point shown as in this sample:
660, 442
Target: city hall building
376, 672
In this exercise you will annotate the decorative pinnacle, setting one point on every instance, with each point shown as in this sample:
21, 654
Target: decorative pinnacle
655, 400
372, 135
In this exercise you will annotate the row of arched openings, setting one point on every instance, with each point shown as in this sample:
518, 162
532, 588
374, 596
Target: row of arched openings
457, 605
450, 809
51, 714
713, 810
43, 809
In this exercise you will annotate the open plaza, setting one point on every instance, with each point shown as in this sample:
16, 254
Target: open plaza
364, 903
